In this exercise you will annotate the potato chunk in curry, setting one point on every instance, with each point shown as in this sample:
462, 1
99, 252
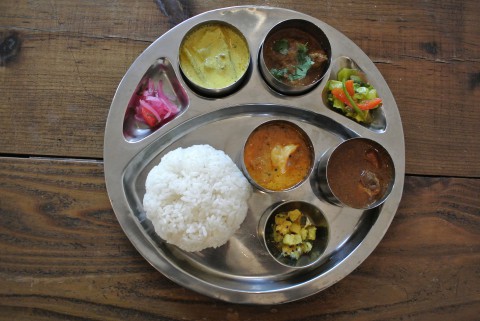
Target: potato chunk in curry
293, 233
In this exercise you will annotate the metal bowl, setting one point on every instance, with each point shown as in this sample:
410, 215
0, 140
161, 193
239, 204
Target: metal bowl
314, 215
324, 174
305, 138
218, 62
289, 88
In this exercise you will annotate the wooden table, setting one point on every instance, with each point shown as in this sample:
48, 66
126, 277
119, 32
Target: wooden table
63, 255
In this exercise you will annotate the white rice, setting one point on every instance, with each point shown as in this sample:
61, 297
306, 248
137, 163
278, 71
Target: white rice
196, 197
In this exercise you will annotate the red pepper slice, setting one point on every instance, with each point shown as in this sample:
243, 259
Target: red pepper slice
340, 95
369, 104
349, 86
149, 118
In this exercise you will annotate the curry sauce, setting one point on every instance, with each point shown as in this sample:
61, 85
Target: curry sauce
278, 156
359, 173
294, 57
214, 55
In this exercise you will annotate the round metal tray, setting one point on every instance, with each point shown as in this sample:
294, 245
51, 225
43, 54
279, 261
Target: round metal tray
242, 271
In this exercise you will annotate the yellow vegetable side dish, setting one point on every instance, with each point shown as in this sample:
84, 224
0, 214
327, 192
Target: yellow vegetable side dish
293, 233
214, 55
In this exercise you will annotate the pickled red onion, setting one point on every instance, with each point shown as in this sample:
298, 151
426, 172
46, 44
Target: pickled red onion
156, 102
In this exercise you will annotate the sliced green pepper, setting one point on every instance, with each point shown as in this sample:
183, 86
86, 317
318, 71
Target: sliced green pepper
346, 73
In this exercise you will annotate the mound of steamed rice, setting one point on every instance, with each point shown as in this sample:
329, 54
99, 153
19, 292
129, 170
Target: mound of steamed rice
196, 197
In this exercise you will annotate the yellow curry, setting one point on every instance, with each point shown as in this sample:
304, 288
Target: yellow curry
214, 55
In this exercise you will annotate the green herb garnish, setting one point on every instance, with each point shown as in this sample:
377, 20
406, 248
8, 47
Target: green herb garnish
279, 73
297, 72
281, 46
304, 63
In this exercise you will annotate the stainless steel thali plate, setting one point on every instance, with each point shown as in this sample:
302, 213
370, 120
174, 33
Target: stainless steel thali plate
242, 271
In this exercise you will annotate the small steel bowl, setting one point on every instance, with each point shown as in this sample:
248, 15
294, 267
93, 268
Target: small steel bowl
305, 138
314, 215
309, 28
323, 171
192, 75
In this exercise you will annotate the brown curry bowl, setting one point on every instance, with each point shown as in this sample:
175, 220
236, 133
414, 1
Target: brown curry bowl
277, 156
284, 46
358, 173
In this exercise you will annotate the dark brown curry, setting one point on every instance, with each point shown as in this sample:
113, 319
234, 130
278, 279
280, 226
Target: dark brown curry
294, 57
359, 173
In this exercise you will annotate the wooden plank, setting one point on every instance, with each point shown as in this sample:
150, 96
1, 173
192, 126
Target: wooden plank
58, 93
135, 20
64, 256
58, 88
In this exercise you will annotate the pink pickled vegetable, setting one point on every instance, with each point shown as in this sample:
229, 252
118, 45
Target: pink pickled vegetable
153, 106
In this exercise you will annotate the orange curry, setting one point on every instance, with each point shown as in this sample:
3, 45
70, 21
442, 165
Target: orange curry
278, 156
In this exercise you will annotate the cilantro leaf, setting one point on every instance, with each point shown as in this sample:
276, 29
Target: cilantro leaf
302, 53
294, 72
304, 63
279, 73
281, 46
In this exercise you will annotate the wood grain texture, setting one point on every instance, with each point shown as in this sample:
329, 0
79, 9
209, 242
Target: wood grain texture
63, 256
57, 89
